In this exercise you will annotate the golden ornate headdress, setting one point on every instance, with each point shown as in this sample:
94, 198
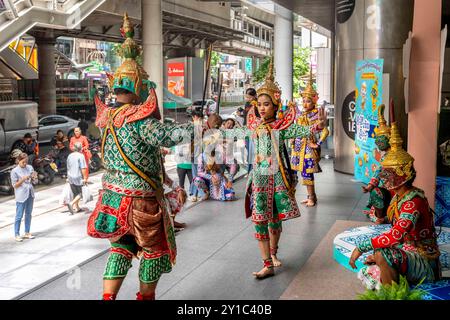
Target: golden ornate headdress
309, 91
129, 75
397, 158
383, 129
270, 87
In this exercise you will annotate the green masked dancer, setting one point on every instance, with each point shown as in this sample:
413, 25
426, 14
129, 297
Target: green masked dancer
131, 211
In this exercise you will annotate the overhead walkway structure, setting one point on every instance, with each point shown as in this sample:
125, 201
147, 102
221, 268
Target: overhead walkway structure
17, 17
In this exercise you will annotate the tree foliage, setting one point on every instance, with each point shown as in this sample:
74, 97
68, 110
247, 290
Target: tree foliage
301, 66
215, 60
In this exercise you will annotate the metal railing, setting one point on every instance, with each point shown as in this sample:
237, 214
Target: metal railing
232, 97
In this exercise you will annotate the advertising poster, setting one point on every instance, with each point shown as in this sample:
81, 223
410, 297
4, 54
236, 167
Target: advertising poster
369, 87
175, 78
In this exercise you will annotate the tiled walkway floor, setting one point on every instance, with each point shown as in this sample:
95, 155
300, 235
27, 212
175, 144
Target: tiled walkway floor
217, 252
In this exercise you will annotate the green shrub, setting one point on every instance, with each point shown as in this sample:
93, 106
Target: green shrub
396, 291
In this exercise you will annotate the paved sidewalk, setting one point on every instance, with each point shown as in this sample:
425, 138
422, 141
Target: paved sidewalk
61, 242
217, 251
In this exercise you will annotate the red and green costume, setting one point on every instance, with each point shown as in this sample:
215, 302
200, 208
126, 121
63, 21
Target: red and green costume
131, 211
410, 246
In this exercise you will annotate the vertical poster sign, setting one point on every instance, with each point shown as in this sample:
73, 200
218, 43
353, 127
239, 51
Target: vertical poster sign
175, 78
369, 87
248, 65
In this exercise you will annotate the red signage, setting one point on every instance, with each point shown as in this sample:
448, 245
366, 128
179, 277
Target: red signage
175, 69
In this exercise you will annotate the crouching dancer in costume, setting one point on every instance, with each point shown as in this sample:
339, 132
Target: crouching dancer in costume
410, 247
270, 197
131, 210
379, 196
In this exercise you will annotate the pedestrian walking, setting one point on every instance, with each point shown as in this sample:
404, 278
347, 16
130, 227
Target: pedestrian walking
79, 137
76, 176
23, 177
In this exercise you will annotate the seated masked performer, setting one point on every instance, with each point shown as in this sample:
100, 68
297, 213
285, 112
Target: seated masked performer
131, 211
380, 197
305, 154
410, 247
270, 197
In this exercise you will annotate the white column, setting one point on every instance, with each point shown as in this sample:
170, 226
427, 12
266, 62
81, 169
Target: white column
47, 75
152, 44
283, 50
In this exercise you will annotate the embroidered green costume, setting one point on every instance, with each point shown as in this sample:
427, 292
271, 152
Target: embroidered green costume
131, 210
270, 195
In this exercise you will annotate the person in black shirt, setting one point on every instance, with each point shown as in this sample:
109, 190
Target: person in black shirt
83, 125
27, 145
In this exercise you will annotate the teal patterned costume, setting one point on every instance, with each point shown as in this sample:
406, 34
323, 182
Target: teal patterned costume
131, 211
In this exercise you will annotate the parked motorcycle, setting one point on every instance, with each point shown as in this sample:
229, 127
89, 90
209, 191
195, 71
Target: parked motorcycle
46, 169
59, 157
95, 164
6, 186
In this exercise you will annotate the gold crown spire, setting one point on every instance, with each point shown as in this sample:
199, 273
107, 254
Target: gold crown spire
309, 91
397, 158
383, 129
129, 75
270, 87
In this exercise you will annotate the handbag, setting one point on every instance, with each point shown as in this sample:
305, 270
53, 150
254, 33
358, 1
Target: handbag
66, 195
86, 194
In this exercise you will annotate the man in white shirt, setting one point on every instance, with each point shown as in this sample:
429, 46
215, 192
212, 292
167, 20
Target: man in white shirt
76, 176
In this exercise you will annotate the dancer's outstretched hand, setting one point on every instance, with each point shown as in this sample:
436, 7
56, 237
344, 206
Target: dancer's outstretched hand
322, 115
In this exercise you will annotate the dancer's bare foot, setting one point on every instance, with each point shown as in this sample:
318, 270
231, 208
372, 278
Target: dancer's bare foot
206, 196
276, 262
265, 272
311, 201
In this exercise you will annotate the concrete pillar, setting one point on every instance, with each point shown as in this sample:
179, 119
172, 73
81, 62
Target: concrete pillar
424, 93
152, 44
47, 74
254, 64
283, 50
368, 29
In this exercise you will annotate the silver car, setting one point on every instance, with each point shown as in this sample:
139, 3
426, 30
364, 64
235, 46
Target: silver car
49, 124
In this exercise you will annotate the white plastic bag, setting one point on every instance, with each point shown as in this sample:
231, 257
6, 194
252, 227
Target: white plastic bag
66, 195
86, 194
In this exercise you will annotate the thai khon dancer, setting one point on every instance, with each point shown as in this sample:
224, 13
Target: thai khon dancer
305, 155
379, 196
270, 197
410, 247
131, 211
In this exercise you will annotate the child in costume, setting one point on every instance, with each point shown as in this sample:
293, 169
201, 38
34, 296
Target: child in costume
305, 154
270, 197
410, 247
